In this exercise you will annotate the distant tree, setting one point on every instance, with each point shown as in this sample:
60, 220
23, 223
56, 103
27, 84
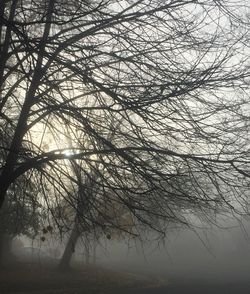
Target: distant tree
174, 73
20, 215
22, 211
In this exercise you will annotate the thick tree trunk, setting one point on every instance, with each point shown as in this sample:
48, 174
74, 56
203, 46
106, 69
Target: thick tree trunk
7, 177
6, 37
64, 264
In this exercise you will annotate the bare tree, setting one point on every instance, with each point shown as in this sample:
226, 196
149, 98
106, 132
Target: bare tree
103, 214
173, 72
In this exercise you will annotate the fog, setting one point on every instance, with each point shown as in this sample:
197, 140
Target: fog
210, 254
207, 255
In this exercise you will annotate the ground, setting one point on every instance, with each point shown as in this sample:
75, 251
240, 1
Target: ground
34, 279
92, 280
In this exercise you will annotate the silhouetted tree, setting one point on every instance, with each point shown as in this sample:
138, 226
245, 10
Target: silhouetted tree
174, 73
22, 212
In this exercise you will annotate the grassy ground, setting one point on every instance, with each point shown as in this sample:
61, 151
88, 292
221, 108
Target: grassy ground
82, 280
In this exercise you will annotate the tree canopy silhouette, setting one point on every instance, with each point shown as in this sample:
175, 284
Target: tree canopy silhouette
168, 79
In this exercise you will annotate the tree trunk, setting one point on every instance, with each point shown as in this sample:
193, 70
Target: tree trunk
64, 264
6, 177
94, 251
87, 253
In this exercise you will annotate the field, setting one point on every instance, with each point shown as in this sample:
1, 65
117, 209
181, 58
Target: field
89, 280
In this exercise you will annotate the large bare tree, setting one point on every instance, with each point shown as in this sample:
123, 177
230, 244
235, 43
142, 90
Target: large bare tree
173, 74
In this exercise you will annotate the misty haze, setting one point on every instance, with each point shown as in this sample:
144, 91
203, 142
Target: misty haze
124, 146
